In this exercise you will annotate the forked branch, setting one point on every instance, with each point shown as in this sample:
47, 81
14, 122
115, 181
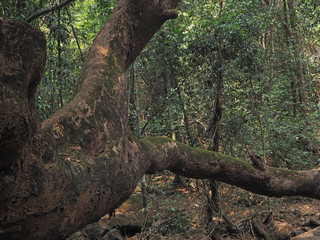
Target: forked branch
47, 10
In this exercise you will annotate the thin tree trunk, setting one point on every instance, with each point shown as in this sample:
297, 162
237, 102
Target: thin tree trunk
59, 70
136, 101
288, 32
215, 128
138, 133
297, 52
75, 35
185, 114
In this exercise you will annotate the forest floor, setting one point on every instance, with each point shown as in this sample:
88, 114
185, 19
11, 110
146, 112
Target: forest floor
179, 211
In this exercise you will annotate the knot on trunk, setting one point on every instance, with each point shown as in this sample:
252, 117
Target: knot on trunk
257, 162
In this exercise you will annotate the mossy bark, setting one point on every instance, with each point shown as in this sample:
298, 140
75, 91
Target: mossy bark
83, 162
196, 163
80, 163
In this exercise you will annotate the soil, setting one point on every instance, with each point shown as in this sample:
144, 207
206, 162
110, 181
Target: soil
180, 211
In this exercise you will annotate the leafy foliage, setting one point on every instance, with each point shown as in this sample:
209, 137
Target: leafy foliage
270, 71
263, 106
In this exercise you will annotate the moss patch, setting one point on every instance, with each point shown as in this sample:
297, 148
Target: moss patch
159, 141
285, 172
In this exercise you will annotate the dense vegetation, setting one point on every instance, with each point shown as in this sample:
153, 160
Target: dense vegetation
224, 75
266, 56
260, 57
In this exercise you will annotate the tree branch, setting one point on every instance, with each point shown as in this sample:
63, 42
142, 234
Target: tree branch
47, 10
80, 164
164, 153
84, 162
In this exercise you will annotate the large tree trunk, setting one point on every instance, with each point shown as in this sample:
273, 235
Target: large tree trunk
83, 161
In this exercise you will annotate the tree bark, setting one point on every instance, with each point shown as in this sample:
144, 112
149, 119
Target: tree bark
47, 10
83, 162
297, 48
80, 163
215, 127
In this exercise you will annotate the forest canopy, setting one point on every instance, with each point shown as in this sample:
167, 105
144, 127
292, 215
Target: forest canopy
266, 51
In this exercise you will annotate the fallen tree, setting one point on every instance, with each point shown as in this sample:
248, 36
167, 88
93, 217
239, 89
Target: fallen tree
83, 162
